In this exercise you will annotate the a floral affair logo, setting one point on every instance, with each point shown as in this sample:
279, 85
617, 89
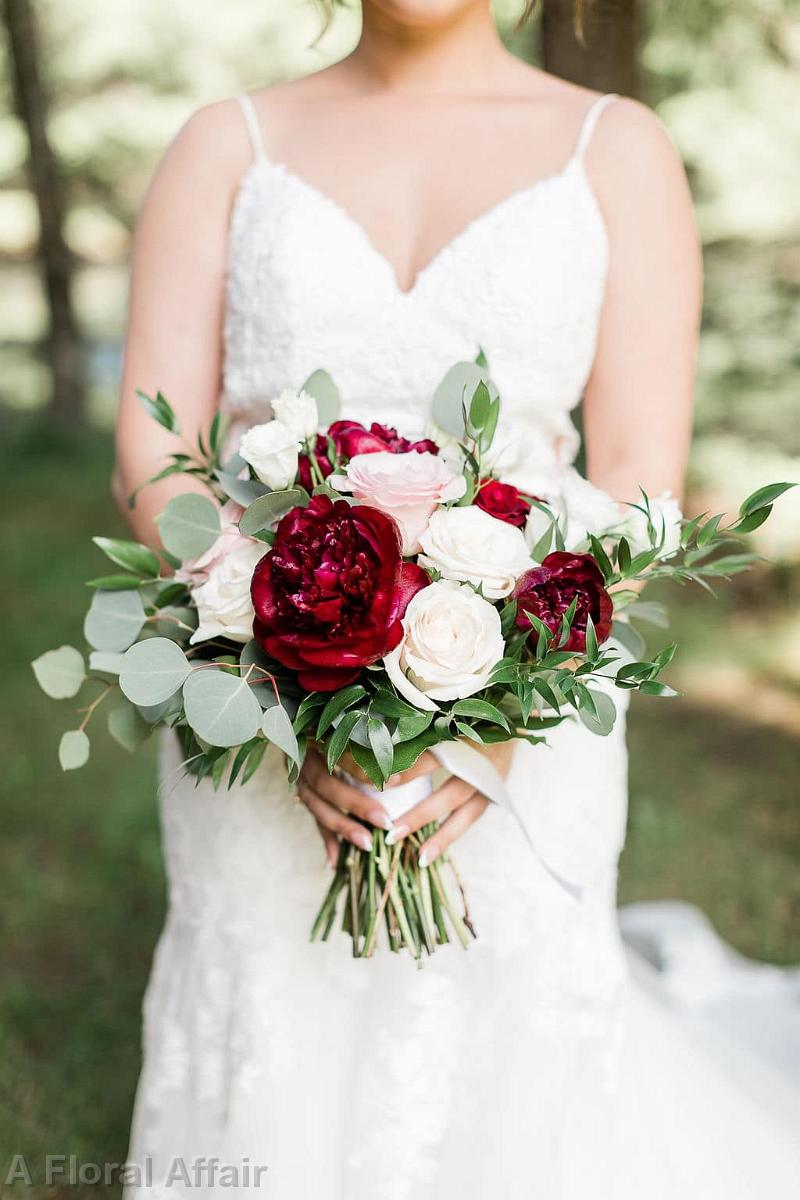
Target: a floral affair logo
69, 1170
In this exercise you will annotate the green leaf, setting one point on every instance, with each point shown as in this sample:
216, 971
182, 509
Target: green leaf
368, 763
447, 406
480, 709
481, 359
73, 750
468, 732
105, 662
591, 639
543, 689
651, 687
220, 707
114, 620
624, 555
649, 611
60, 672
243, 491
152, 671
254, 760
160, 410
765, 495
341, 736
131, 556
338, 702
730, 564
277, 728
320, 385
602, 558
601, 721
629, 638
189, 525
753, 521
217, 432
269, 509
115, 583
128, 727
479, 407
709, 530
381, 745
407, 753
409, 727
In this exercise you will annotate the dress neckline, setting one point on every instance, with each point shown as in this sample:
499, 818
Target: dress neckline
573, 170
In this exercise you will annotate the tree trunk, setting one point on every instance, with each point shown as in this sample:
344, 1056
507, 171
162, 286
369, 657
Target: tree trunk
608, 62
66, 352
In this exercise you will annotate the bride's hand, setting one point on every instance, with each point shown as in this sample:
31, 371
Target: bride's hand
333, 803
456, 804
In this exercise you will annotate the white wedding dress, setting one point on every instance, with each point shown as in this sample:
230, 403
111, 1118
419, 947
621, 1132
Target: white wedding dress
529, 1066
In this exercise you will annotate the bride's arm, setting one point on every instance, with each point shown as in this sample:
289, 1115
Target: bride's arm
174, 331
638, 405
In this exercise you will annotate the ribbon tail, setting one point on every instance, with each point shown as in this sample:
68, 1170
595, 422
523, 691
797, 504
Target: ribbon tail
475, 769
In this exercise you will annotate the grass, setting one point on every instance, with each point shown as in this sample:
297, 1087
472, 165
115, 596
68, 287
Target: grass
714, 819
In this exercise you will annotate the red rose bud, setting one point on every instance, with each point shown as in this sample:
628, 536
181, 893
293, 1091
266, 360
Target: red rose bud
304, 474
330, 594
547, 592
351, 438
502, 501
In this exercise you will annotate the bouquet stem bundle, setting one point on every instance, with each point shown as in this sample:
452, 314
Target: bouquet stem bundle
420, 906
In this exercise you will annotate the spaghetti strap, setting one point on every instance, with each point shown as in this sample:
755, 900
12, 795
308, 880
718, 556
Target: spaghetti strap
588, 125
253, 127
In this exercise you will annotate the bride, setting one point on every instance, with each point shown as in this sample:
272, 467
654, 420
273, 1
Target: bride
426, 197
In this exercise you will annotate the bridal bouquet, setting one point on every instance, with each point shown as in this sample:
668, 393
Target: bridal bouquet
344, 586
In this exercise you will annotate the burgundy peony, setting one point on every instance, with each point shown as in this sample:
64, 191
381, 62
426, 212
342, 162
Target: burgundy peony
503, 501
304, 476
330, 594
547, 592
351, 438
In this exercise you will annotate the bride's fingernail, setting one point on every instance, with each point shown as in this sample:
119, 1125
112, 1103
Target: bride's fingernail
393, 780
380, 818
364, 840
395, 833
427, 855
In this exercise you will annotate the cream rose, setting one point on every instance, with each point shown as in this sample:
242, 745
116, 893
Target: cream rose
666, 516
407, 487
224, 607
469, 545
452, 640
298, 412
271, 450
580, 509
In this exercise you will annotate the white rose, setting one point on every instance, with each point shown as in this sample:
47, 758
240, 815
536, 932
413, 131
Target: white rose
580, 508
271, 450
224, 607
407, 487
666, 516
452, 641
469, 545
298, 412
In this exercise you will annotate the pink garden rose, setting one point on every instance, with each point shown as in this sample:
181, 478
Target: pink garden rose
406, 486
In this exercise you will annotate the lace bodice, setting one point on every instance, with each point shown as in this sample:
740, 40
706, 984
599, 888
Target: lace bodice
524, 281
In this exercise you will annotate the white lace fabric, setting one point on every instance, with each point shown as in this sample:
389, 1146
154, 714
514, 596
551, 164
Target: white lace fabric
524, 1067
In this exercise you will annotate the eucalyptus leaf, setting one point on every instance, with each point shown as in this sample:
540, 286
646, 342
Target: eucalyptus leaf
73, 750
220, 707
277, 728
114, 620
269, 509
320, 385
189, 525
601, 720
152, 671
60, 672
128, 727
106, 662
243, 491
456, 388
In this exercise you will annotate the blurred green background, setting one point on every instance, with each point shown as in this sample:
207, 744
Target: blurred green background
715, 817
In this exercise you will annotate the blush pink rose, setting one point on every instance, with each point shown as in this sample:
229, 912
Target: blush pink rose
407, 487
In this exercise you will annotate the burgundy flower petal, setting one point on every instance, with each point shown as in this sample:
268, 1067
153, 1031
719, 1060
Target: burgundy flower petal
548, 591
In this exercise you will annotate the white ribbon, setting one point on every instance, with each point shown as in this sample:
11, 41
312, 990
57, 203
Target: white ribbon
467, 763
474, 768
